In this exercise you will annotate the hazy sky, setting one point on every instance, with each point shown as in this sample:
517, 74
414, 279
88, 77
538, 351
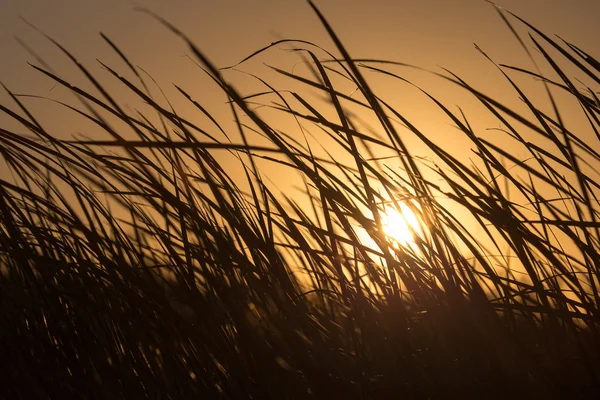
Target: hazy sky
424, 32
427, 33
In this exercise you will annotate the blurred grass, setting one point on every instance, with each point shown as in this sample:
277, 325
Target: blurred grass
138, 266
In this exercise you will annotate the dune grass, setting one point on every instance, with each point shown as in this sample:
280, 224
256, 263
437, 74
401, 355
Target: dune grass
140, 266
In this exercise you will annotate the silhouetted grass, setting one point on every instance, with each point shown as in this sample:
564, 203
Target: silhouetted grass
138, 266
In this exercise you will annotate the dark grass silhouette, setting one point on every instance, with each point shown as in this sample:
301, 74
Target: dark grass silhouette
221, 288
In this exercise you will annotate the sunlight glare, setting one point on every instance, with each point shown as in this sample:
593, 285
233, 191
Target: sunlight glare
399, 225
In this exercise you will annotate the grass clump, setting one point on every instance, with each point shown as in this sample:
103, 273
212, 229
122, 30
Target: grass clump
140, 266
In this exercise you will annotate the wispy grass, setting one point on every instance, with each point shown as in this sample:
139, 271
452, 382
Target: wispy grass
140, 266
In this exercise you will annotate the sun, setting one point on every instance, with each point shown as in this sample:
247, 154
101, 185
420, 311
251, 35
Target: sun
399, 225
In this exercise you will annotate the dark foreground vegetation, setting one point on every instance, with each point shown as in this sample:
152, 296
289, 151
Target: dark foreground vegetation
136, 266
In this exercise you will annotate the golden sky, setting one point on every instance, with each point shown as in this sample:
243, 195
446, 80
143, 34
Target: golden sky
427, 33
422, 32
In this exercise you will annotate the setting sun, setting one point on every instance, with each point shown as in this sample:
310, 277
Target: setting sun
400, 225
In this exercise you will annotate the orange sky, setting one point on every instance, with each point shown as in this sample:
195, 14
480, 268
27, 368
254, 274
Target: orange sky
427, 33
423, 32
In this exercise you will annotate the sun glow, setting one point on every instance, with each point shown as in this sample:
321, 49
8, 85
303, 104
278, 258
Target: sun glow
400, 225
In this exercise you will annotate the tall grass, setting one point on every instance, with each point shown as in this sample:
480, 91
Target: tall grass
140, 266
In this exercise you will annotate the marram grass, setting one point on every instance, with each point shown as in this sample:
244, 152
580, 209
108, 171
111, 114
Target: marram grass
139, 266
